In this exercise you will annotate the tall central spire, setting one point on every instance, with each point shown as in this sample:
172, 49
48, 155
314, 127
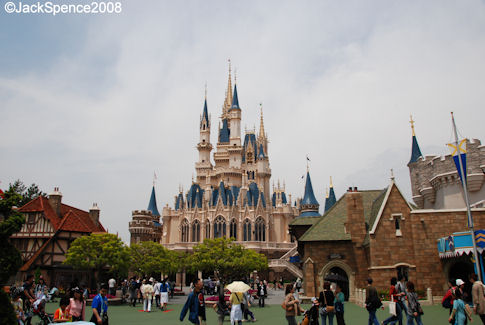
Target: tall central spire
228, 100
261, 124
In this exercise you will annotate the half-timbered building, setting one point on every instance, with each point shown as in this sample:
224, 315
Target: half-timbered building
49, 229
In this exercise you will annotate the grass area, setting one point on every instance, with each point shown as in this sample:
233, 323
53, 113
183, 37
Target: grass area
271, 314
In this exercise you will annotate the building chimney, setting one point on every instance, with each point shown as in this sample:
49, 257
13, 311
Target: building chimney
350, 189
355, 217
94, 214
55, 199
355, 188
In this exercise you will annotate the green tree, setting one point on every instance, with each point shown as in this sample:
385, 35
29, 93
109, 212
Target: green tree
148, 258
23, 194
97, 252
228, 260
10, 259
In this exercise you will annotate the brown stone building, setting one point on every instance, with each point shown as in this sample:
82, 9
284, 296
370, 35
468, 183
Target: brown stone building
50, 227
377, 234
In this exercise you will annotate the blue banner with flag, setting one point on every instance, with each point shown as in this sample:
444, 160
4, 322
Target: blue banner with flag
459, 151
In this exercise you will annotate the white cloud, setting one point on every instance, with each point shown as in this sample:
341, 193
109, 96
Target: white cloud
337, 81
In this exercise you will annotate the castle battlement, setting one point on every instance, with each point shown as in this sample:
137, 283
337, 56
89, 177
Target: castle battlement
435, 182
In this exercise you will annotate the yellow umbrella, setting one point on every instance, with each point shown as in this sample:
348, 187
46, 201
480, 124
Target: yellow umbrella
238, 286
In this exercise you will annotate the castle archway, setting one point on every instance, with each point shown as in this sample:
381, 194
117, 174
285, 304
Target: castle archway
339, 269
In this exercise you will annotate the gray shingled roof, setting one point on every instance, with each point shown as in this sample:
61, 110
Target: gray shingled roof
331, 225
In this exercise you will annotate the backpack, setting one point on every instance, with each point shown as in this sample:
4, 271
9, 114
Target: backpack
447, 303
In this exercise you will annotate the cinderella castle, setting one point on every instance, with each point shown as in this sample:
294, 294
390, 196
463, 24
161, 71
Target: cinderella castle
230, 197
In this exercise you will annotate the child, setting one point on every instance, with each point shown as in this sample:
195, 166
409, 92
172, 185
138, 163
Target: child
313, 313
60, 316
17, 306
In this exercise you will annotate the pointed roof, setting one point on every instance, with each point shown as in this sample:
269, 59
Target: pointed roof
331, 198
309, 204
235, 100
309, 197
205, 114
152, 206
224, 132
415, 151
261, 151
228, 100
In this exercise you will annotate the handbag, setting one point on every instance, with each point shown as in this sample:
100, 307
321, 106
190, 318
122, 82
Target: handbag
392, 307
285, 307
327, 308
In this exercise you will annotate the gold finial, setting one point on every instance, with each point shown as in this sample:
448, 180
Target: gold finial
331, 182
412, 124
228, 100
307, 167
326, 194
206, 90
154, 178
392, 174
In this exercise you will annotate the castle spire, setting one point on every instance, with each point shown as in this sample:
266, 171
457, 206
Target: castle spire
228, 100
205, 113
309, 204
331, 198
235, 100
152, 206
261, 123
415, 151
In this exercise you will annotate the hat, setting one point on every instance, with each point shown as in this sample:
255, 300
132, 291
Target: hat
314, 300
459, 282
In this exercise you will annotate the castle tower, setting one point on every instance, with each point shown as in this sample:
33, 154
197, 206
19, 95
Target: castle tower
264, 172
145, 224
204, 146
309, 204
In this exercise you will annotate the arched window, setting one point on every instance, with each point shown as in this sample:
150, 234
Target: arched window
219, 227
196, 231
260, 230
185, 231
207, 229
247, 230
233, 229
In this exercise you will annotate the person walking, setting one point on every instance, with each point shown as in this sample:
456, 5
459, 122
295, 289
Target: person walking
247, 303
393, 296
235, 300
291, 305
402, 294
339, 305
372, 302
156, 292
147, 292
100, 307
133, 291
447, 301
195, 305
221, 308
478, 296
77, 306
298, 284
262, 293
164, 289
414, 307
326, 300
112, 286
461, 311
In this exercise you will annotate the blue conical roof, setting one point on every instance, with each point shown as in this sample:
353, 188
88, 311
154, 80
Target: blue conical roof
224, 132
235, 100
416, 152
205, 114
330, 200
309, 197
152, 206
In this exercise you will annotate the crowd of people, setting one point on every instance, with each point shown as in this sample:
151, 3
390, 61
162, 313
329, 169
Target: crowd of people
29, 300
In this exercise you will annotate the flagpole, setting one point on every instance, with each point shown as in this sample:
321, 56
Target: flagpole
467, 201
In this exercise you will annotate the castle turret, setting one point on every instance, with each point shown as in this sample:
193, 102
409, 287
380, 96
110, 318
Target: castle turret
204, 146
145, 224
415, 151
330, 199
309, 204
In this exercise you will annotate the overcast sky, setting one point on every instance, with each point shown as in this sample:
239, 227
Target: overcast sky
94, 104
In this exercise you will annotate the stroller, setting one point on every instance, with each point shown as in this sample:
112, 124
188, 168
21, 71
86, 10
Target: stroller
38, 309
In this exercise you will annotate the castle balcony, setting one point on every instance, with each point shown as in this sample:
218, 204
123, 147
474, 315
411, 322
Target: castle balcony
255, 245
228, 171
475, 182
419, 200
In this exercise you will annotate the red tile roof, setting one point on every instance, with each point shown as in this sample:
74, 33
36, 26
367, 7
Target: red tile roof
71, 219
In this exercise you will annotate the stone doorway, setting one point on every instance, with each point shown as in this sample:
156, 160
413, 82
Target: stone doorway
343, 284
342, 269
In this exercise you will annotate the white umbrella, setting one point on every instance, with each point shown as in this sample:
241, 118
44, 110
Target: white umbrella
238, 286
